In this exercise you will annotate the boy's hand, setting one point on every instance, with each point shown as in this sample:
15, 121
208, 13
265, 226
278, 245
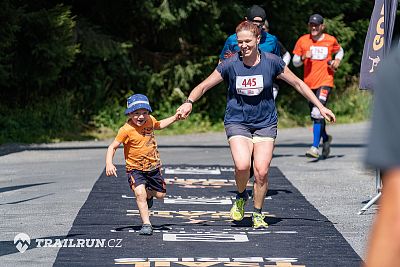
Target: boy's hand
176, 116
111, 170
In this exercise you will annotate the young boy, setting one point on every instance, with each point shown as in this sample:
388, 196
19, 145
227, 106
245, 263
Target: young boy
142, 159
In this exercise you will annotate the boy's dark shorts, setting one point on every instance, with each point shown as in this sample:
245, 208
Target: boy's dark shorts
152, 180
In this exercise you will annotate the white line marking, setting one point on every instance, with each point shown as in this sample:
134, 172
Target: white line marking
198, 201
192, 171
220, 238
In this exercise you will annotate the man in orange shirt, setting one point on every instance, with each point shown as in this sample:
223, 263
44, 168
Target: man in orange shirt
315, 50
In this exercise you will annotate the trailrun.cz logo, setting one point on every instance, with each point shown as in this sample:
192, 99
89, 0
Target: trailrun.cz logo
22, 242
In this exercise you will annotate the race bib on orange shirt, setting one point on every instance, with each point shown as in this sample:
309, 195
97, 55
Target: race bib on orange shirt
319, 52
323, 95
249, 85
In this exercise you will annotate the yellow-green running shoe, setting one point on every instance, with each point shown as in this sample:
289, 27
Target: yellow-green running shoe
258, 221
237, 210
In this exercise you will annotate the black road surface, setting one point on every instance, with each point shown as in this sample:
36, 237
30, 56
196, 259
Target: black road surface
192, 226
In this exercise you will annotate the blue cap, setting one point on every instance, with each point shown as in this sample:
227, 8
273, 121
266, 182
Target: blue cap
136, 102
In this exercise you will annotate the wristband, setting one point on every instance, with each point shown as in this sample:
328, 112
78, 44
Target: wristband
188, 101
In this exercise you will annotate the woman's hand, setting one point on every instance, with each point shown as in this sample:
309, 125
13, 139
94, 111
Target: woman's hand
328, 114
184, 110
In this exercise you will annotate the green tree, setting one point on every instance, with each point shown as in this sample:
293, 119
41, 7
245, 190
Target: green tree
77, 61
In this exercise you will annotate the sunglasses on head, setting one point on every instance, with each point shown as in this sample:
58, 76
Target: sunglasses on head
257, 21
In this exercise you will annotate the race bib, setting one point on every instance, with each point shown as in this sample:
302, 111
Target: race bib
323, 94
249, 85
319, 52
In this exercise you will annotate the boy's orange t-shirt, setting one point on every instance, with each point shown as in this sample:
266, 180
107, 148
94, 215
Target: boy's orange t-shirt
316, 69
140, 146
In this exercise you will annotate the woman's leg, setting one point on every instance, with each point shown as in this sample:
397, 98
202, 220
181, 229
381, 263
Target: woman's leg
241, 149
262, 160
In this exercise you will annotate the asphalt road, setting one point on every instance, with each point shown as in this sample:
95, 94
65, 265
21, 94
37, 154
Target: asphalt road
43, 187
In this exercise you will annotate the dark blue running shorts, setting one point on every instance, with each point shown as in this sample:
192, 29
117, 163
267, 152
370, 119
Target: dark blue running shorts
152, 180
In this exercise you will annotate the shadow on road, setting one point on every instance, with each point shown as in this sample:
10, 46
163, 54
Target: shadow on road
14, 148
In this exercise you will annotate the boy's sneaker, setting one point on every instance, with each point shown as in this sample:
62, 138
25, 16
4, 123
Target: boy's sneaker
147, 229
312, 152
258, 221
149, 202
326, 147
237, 210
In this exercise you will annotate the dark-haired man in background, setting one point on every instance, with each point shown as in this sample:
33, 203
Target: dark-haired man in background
268, 42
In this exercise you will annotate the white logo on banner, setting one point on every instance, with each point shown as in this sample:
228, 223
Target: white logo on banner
22, 242
198, 200
192, 170
206, 237
375, 62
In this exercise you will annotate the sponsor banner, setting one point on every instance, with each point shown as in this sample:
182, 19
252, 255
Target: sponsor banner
378, 41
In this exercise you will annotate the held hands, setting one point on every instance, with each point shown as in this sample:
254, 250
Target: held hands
111, 170
328, 114
176, 116
184, 110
